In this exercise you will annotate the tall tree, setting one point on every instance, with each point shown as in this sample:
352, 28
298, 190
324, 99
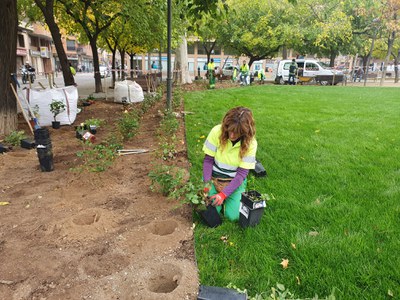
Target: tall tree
93, 17
205, 27
327, 28
396, 62
390, 13
264, 32
47, 9
8, 52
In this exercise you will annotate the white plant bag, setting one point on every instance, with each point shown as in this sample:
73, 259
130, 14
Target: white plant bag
128, 92
42, 98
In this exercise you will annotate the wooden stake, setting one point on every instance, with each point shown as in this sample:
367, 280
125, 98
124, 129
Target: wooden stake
42, 85
20, 105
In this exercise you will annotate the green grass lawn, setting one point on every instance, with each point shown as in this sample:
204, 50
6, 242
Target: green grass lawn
333, 160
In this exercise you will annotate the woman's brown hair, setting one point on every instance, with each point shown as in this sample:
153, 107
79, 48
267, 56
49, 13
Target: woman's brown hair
238, 120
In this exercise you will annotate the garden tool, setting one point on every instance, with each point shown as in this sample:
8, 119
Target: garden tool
22, 108
131, 151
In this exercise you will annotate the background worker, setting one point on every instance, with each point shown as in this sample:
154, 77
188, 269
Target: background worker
261, 75
244, 72
230, 152
73, 71
292, 72
211, 74
358, 74
234, 74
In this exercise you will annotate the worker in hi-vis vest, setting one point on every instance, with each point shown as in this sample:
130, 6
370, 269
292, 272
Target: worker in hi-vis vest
244, 72
211, 74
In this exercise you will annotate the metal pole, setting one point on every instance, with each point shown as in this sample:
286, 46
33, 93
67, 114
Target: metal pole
169, 77
160, 61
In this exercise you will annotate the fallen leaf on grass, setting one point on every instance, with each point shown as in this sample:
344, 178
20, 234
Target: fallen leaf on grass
313, 233
298, 280
285, 263
224, 238
390, 293
4, 203
293, 246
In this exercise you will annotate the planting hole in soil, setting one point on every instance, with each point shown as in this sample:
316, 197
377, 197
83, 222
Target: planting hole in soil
163, 227
87, 218
103, 265
165, 279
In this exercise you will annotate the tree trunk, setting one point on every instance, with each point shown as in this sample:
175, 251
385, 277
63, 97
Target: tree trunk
332, 59
113, 74
131, 55
369, 57
149, 62
209, 51
284, 52
396, 67
97, 77
181, 62
390, 45
113, 50
48, 13
8, 50
122, 53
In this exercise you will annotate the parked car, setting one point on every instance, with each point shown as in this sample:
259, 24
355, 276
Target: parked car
228, 70
308, 68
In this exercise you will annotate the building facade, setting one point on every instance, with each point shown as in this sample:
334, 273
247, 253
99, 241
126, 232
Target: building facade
35, 46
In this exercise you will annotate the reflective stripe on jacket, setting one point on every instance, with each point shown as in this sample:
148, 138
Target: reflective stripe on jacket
227, 161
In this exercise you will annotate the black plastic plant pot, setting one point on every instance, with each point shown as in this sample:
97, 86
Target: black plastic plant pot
211, 216
45, 155
251, 209
41, 133
27, 144
3, 148
78, 134
93, 129
55, 125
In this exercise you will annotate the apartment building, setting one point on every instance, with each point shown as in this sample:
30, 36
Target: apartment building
35, 46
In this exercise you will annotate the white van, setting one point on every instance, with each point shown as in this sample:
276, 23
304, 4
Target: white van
308, 68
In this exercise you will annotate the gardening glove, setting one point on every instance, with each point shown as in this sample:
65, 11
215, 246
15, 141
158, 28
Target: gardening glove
218, 199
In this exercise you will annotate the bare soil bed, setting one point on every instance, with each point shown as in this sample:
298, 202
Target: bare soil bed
68, 235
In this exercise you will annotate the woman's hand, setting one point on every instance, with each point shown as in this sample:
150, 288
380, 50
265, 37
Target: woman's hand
218, 199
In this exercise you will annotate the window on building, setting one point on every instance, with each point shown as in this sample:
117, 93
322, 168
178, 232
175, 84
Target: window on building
34, 41
71, 45
200, 48
21, 41
190, 48
217, 50
228, 51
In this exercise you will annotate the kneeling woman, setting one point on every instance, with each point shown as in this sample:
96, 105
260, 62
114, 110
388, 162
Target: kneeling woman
230, 152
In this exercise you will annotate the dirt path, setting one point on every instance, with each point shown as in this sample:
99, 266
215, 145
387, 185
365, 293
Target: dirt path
92, 235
